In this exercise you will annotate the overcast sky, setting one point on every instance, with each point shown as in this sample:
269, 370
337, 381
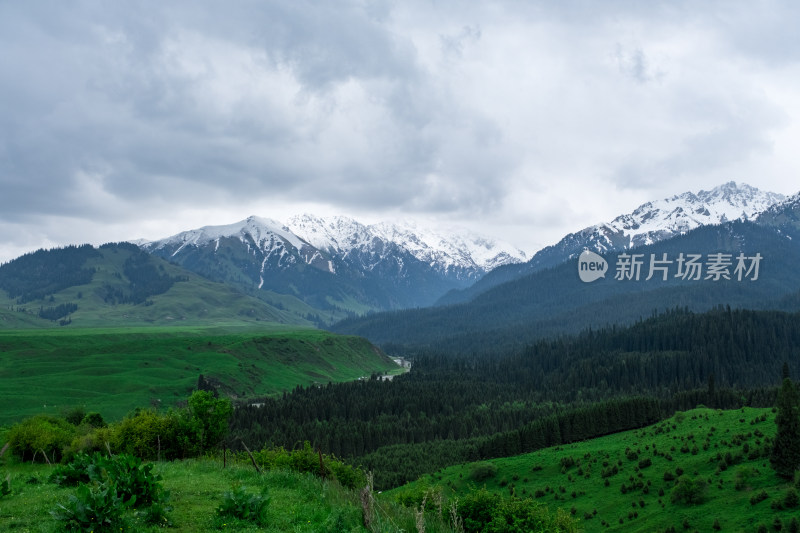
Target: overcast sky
525, 120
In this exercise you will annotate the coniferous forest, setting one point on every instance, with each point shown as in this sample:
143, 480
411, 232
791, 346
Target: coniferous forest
454, 408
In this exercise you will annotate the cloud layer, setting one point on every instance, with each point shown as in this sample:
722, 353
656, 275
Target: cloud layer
526, 119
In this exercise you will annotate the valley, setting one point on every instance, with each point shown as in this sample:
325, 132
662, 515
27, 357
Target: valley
529, 387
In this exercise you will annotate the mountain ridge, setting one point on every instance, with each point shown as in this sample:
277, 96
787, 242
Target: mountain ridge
649, 223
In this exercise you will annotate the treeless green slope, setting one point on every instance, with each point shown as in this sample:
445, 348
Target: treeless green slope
115, 370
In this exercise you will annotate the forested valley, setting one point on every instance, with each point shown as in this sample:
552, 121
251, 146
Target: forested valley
454, 408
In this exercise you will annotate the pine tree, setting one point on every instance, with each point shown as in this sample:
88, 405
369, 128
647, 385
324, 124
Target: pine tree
785, 457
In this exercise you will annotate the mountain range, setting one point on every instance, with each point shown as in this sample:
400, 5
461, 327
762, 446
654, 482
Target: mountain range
321, 270
541, 301
649, 223
336, 265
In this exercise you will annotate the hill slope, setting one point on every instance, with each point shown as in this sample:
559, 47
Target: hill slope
556, 301
624, 482
119, 285
114, 371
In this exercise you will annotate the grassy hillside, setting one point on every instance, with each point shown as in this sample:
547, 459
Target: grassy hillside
297, 502
123, 286
115, 370
625, 482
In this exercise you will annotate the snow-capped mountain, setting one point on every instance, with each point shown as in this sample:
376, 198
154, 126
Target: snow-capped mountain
655, 221
448, 249
783, 214
649, 223
337, 262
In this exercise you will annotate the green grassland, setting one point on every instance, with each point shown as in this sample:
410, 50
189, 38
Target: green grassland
114, 370
724, 448
298, 502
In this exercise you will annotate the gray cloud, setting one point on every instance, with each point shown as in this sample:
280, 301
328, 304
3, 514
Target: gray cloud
152, 110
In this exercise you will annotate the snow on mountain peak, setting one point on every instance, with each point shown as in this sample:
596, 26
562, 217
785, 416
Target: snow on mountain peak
448, 247
654, 221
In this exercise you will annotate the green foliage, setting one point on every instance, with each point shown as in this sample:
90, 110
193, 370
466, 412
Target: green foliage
785, 456
209, 418
791, 499
5, 485
94, 420
82, 469
74, 415
105, 486
243, 505
483, 471
41, 434
307, 460
135, 482
485, 512
147, 434
95, 507
691, 491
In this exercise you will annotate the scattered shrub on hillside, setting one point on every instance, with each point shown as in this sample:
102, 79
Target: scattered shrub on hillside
483, 512
690, 491
5, 485
758, 497
791, 499
482, 471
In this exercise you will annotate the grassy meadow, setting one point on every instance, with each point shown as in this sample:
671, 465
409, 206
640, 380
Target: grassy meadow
625, 482
297, 502
114, 370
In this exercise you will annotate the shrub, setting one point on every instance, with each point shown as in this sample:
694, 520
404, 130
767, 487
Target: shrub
5, 486
758, 497
238, 503
483, 511
689, 491
41, 434
791, 499
80, 470
91, 508
483, 471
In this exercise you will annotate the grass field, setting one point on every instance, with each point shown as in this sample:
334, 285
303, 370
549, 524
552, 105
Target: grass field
114, 370
298, 502
703, 443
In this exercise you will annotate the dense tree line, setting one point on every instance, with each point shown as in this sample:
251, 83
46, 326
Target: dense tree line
555, 302
57, 312
35, 275
551, 392
145, 279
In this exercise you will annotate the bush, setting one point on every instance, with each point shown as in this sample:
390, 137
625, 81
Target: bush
91, 508
41, 434
483, 512
689, 491
758, 497
791, 499
243, 505
483, 471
